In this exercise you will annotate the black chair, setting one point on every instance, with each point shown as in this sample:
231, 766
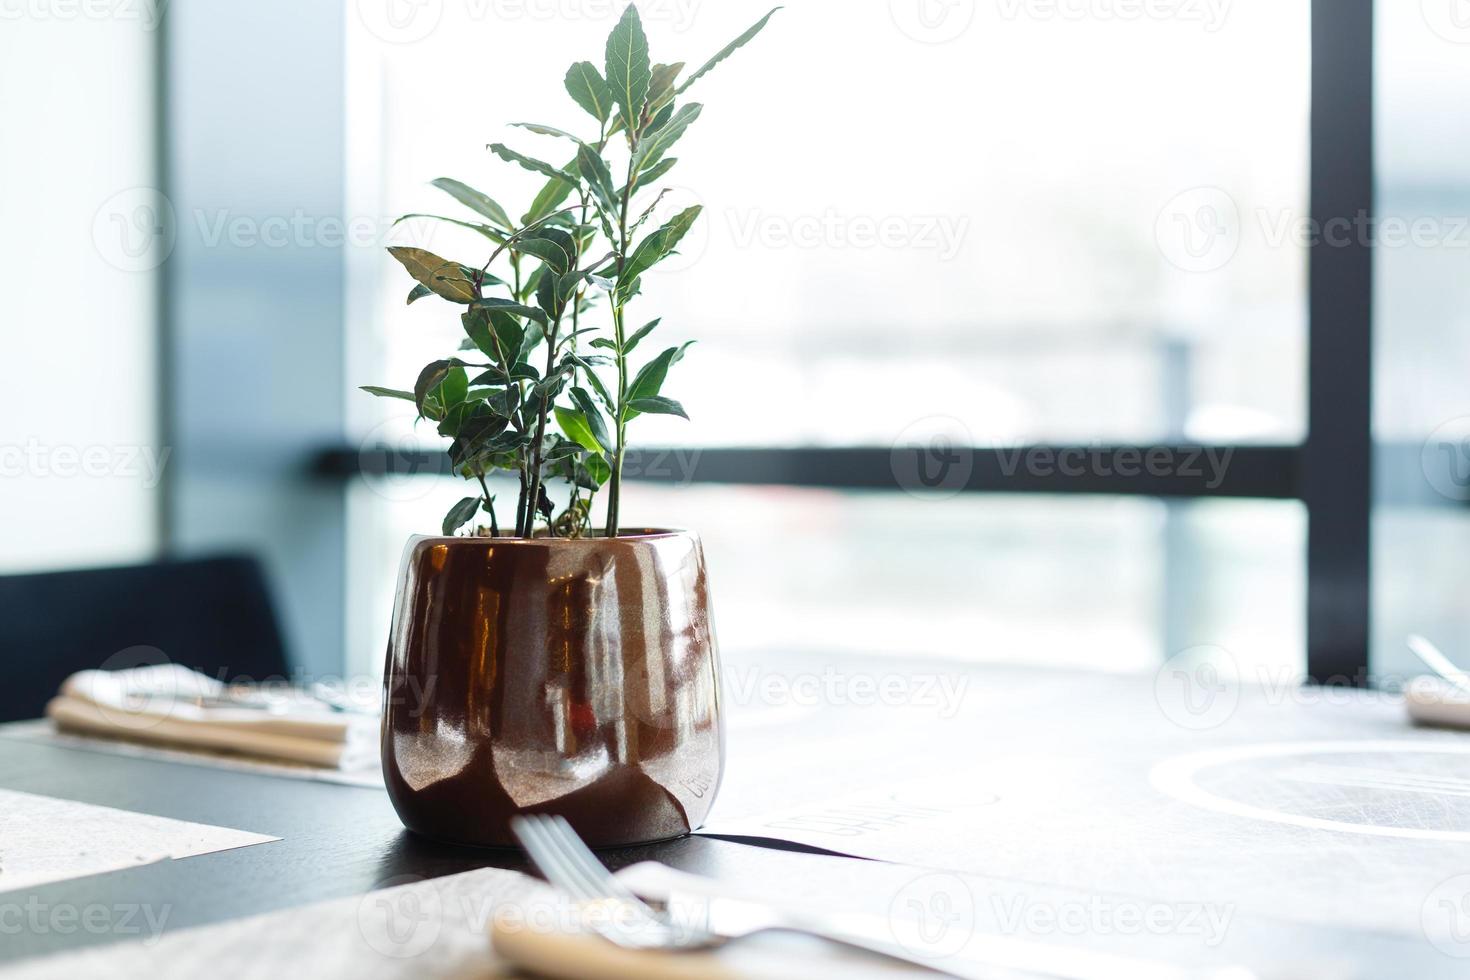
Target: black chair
212, 614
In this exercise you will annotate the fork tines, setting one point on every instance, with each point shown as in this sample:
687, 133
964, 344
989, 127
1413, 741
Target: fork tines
568, 864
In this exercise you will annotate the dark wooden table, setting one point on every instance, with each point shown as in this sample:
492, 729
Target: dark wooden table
341, 841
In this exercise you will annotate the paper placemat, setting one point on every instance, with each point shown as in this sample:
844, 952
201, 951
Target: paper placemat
442, 928
44, 839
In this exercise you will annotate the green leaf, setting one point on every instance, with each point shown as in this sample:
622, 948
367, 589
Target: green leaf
476, 325
503, 305
419, 292
482, 434
541, 129
476, 201
595, 172
439, 275
530, 163
593, 417
639, 334
589, 472
550, 386
520, 371
551, 252
588, 89
387, 392
653, 146
485, 230
598, 469
574, 424
656, 171
528, 288
500, 402
661, 85
651, 378
658, 121
656, 247
457, 416
589, 360
498, 334
562, 341
566, 288
481, 449
658, 405
648, 211
459, 514
429, 379
529, 339
561, 449
562, 240
547, 296
728, 50
628, 70
550, 197
453, 389
608, 401
440, 384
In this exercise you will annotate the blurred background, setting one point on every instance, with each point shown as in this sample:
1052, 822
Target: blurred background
948, 226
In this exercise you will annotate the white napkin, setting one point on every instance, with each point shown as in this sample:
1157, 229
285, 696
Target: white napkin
1435, 701
160, 704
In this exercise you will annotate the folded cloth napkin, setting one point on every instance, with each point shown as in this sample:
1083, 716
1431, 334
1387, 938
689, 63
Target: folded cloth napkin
169, 704
1435, 701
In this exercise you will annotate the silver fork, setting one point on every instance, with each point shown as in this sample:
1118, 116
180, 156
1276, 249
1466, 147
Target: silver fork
623, 918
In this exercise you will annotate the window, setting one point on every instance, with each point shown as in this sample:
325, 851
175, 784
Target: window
1031, 257
81, 471
1019, 260
1421, 419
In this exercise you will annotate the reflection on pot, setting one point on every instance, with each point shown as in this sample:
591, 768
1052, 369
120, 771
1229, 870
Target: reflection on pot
576, 677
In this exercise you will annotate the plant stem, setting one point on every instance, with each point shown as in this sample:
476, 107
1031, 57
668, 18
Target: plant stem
489, 504
615, 488
521, 506
542, 411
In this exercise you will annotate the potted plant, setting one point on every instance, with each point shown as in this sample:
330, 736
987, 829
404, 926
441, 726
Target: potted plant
538, 663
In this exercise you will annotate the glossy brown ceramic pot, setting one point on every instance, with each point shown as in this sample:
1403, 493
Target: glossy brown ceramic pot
575, 677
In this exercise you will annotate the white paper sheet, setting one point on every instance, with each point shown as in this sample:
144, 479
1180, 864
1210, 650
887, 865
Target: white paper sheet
414, 929
443, 927
43, 839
